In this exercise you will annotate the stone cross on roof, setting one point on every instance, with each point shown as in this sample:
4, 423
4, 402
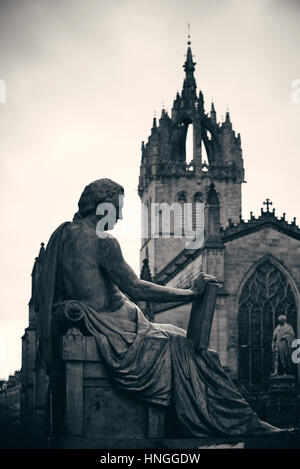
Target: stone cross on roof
268, 203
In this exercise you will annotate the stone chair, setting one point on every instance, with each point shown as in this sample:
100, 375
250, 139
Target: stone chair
86, 410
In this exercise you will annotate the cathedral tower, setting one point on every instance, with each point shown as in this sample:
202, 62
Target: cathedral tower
166, 177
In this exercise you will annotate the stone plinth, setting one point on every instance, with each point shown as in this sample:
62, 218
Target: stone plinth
258, 442
282, 401
87, 405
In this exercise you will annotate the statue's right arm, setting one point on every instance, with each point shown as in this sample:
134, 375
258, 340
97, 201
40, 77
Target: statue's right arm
112, 262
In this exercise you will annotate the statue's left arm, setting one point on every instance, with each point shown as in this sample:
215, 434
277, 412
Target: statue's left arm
112, 261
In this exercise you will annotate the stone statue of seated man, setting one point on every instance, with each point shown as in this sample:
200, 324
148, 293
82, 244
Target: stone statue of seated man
154, 362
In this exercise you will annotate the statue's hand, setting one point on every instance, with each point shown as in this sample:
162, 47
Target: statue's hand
200, 283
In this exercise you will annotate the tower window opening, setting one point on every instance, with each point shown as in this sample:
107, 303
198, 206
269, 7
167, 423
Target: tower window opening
180, 214
197, 213
204, 154
208, 135
189, 145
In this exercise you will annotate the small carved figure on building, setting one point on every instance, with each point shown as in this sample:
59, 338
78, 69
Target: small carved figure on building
282, 347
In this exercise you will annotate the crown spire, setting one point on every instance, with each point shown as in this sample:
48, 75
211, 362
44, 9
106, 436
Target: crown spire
189, 85
189, 65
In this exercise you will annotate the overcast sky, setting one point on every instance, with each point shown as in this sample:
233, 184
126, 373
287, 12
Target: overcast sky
83, 80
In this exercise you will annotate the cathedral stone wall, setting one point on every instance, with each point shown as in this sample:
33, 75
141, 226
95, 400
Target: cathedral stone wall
230, 201
179, 316
160, 251
240, 255
186, 276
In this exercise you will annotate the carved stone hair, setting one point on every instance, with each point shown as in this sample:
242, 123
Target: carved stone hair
282, 317
102, 190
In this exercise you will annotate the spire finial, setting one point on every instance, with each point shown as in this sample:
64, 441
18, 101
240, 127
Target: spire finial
41, 252
189, 84
154, 125
213, 114
268, 203
227, 116
189, 34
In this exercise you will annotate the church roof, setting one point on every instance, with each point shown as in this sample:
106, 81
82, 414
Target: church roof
233, 231
266, 219
176, 265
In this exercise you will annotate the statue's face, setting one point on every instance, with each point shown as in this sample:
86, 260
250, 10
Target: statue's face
281, 321
109, 212
118, 203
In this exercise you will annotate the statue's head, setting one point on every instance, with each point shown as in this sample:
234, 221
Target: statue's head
97, 192
282, 319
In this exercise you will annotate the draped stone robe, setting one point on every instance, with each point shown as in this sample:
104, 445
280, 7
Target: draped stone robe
156, 363
282, 339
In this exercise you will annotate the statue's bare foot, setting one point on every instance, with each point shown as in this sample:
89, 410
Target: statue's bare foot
267, 429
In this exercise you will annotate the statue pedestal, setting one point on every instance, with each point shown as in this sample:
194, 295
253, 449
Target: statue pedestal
86, 405
282, 401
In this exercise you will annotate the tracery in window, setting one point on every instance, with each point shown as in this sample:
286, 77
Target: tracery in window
266, 294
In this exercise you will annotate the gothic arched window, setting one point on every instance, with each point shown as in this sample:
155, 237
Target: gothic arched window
181, 200
149, 215
266, 294
213, 213
181, 197
206, 150
198, 214
189, 144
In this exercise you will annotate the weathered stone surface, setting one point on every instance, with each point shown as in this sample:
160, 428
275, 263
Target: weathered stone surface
94, 408
282, 403
268, 442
